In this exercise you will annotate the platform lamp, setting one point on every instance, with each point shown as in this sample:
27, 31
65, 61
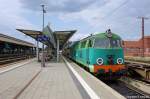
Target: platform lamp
43, 60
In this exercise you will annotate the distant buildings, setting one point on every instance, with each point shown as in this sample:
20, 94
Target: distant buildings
134, 48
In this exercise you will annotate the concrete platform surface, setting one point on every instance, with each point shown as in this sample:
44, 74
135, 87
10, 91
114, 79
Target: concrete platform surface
100, 88
54, 82
15, 65
12, 81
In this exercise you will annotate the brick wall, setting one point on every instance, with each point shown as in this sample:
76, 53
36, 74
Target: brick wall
134, 48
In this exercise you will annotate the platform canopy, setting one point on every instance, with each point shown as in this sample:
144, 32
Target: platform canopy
35, 34
32, 33
9, 39
63, 36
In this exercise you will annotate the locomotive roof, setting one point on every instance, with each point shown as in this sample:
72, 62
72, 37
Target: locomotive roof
102, 36
73, 43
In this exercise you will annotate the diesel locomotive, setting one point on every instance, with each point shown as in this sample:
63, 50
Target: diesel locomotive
102, 54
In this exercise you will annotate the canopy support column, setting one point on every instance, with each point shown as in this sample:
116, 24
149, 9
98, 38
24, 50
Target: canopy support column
57, 50
37, 50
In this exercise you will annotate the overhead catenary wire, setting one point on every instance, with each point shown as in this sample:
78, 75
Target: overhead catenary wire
116, 9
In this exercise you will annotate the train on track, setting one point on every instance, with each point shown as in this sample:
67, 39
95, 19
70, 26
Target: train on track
101, 54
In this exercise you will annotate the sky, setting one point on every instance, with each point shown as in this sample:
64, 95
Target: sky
85, 16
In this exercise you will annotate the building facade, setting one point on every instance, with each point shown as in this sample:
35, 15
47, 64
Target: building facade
135, 48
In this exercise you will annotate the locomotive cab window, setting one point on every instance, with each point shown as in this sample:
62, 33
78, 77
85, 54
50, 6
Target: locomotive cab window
102, 43
107, 43
115, 43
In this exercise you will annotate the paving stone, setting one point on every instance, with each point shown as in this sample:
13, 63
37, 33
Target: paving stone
13, 81
54, 82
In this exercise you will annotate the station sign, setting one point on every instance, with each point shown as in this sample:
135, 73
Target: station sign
43, 38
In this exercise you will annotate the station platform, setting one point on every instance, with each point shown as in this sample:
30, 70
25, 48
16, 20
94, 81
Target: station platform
63, 80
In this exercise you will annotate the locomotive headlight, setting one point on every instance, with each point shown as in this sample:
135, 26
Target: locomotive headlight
120, 61
99, 61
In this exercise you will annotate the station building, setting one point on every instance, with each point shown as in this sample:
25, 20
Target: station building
135, 48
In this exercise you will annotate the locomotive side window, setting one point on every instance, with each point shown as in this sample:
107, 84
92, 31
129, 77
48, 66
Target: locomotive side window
90, 43
83, 44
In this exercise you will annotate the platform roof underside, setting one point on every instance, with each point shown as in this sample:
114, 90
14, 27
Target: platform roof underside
62, 36
34, 34
8, 39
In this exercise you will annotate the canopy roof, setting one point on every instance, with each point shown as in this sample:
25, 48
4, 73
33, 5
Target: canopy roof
62, 36
31, 33
13, 40
34, 34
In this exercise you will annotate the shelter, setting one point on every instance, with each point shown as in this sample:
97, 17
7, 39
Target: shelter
56, 39
13, 40
10, 46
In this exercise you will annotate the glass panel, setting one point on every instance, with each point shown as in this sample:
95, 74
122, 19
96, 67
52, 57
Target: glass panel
90, 43
107, 43
103, 43
83, 44
115, 43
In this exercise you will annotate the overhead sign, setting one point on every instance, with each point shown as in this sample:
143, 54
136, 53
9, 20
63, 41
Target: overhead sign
43, 38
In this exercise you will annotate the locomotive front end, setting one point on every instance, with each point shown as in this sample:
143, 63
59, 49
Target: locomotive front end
109, 62
107, 56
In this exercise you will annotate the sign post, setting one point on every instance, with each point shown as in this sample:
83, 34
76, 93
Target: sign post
43, 38
43, 58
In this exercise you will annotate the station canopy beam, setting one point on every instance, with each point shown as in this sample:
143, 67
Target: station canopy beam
35, 34
63, 37
5, 38
32, 33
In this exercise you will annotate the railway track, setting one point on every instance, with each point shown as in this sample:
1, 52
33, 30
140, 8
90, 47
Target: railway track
4, 61
139, 60
126, 90
137, 84
141, 69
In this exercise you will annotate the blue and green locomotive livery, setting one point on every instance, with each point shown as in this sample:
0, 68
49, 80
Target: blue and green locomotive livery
101, 53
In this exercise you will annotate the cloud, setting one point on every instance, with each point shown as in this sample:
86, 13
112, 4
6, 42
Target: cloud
60, 6
91, 15
11, 17
119, 15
